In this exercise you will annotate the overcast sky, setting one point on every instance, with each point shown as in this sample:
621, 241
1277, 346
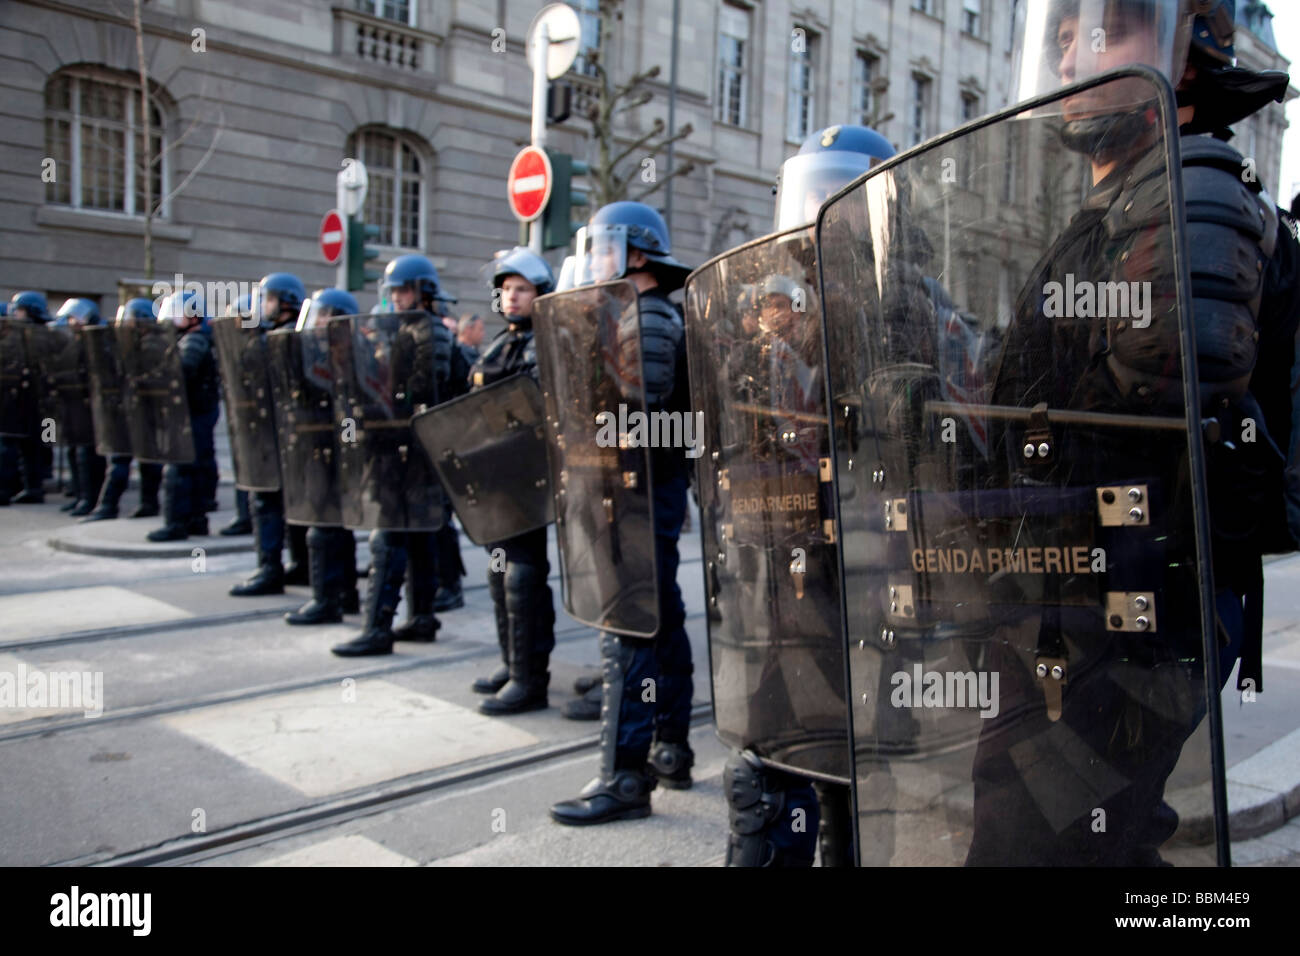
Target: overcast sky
1286, 27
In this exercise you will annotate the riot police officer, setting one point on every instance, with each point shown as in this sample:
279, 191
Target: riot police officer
521, 599
186, 487
21, 458
410, 285
646, 738
276, 303
1245, 349
331, 550
242, 522
87, 466
119, 470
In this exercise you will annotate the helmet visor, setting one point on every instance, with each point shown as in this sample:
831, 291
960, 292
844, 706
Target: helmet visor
605, 256
809, 179
1060, 42
313, 313
180, 310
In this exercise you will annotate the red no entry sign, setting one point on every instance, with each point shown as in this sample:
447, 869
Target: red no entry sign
528, 187
332, 236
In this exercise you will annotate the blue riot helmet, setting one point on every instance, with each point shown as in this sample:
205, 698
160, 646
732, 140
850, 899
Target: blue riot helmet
32, 304
324, 304
415, 272
523, 262
78, 312
827, 161
4, 309
184, 309
136, 310
277, 293
616, 229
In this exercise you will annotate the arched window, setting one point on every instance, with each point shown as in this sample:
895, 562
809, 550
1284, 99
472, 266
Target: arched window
93, 135
395, 197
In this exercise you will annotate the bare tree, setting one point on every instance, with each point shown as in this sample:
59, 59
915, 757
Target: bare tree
146, 161
611, 174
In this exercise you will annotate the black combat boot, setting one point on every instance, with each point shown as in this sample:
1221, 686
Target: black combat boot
90, 477
421, 625
586, 707
297, 571
177, 522
345, 554
119, 476
323, 608
269, 577
386, 569
497, 588
622, 791
150, 479
529, 650
243, 522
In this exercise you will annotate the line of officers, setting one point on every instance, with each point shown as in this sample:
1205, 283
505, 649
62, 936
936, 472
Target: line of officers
644, 737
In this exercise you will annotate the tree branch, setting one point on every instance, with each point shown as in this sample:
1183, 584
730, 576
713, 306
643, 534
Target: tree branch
203, 161
679, 171
638, 144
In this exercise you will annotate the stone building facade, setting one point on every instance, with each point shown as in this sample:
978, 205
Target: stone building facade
257, 103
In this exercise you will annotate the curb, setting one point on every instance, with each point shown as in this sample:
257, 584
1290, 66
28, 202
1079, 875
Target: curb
85, 539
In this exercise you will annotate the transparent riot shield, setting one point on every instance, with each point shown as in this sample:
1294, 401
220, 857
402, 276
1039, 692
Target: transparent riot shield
60, 355
250, 413
385, 372
772, 577
597, 432
1031, 656
19, 382
302, 382
157, 404
107, 392
489, 448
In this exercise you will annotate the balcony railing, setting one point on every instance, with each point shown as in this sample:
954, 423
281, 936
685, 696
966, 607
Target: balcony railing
383, 42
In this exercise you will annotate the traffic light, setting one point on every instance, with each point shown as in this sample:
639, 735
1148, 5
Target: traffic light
558, 226
359, 254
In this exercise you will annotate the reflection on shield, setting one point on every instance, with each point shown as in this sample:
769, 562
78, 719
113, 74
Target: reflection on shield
250, 415
157, 407
490, 451
589, 364
1026, 594
107, 391
384, 371
19, 385
60, 355
772, 578
303, 385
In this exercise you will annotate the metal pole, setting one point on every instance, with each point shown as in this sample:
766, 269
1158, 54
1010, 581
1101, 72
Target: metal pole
541, 48
672, 116
340, 203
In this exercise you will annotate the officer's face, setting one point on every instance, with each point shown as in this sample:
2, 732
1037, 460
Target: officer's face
19, 313
517, 295
605, 263
1123, 41
777, 314
404, 298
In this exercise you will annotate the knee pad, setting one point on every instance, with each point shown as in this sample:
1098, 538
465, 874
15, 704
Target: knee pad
773, 820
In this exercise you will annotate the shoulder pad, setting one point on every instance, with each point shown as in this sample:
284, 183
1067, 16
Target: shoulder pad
658, 305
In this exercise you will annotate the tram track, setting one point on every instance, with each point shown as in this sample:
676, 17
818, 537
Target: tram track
51, 726
367, 801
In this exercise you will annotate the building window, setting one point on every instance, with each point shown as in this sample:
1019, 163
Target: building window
733, 48
1011, 170
802, 105
97, 145
867, 67
971, 12
970, 107
394, 199
921, 86
589, 19
403, 11
923, 6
